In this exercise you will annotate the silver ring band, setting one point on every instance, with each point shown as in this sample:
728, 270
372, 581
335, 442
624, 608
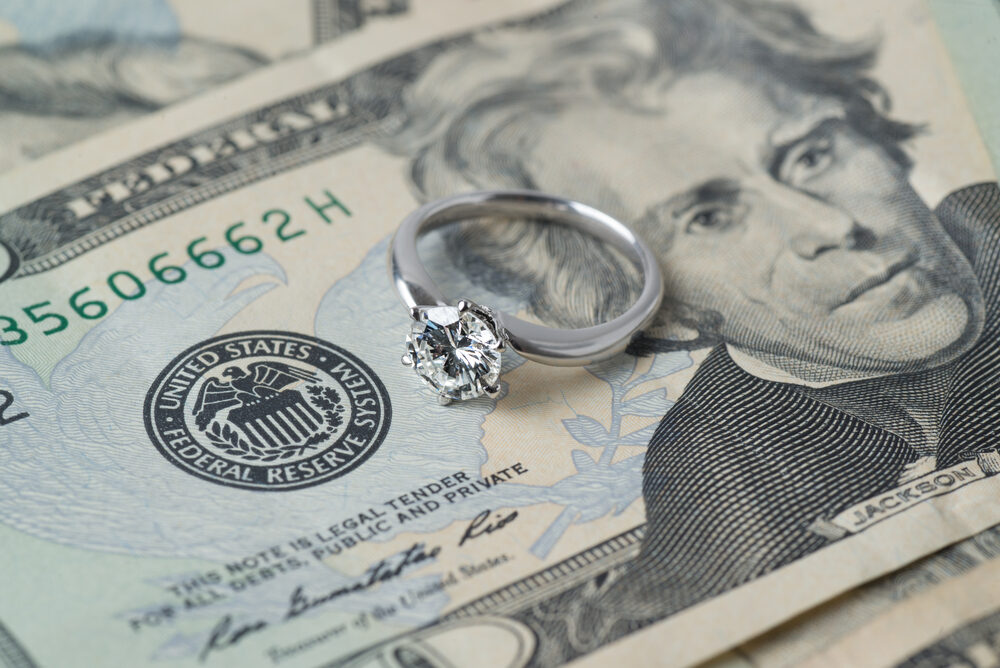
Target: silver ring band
560, 347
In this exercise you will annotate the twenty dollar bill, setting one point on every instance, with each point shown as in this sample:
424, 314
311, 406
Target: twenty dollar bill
210, 452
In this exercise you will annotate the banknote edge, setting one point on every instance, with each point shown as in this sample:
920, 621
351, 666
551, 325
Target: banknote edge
12, 652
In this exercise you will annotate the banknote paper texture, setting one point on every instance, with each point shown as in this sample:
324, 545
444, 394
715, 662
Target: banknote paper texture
210, 453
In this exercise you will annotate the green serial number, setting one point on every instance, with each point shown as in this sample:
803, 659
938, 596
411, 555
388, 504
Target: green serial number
129, 287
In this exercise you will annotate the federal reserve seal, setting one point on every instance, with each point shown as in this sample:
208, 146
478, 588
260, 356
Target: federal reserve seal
267, 411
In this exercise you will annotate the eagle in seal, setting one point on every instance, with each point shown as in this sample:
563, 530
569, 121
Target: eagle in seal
260, 380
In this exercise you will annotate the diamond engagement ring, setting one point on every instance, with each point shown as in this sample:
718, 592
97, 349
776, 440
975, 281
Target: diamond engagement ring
455, 347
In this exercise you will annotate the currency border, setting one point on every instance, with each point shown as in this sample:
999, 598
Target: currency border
517, 595
374, 115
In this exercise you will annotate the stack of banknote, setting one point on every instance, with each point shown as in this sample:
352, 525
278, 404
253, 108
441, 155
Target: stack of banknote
211, 455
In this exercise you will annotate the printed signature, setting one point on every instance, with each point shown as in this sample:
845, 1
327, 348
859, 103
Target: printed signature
482, 525
227, 633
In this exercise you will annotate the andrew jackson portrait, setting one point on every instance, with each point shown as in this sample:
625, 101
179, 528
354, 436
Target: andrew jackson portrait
852, 327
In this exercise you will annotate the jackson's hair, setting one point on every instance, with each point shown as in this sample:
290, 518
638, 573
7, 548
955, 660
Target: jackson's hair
474, 114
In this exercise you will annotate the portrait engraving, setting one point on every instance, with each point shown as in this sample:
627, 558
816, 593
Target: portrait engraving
851, 324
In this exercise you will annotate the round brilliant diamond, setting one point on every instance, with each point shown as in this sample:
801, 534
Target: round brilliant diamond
455, 351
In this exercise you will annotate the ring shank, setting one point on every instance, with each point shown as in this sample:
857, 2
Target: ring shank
560, 347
